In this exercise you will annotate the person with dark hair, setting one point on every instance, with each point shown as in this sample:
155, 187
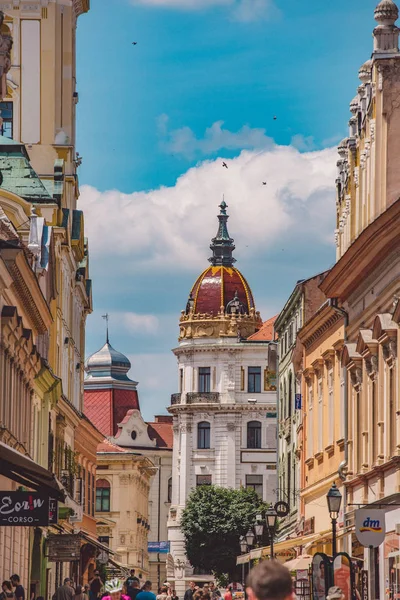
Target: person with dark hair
96, 586
146, 593
19, 590
190, 591
270, 580
228, 594
7, 592
133, 589
132, 577
65, 591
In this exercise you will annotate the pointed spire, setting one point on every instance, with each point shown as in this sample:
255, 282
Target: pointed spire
222, 245
105, 317
386, 34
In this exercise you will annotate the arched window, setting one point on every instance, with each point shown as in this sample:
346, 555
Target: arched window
290, 394
169, 493
203, 435
254, 434
103, 492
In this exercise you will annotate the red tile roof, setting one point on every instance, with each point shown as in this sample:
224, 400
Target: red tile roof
107, 446
266, 333
162, 432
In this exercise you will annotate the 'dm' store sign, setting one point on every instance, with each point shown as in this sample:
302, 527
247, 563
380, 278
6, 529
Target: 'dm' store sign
31, 509
370, 527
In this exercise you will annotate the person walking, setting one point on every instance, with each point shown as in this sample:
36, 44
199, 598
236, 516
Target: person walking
19, 589
163, 595
113, 590
80, 593
146, 593
7, 591
270, 580
96, 585
65, 591
190, 591
133, 589
132, 577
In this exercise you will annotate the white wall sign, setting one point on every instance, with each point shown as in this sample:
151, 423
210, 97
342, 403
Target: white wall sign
370, 526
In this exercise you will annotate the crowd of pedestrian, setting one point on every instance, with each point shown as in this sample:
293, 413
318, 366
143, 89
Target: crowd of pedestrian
269, 580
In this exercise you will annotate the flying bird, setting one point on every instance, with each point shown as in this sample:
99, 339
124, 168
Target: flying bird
275, 117
264, 183
225, 165
134, 43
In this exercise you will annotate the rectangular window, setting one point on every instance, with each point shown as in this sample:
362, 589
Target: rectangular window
89, 494
6, 113
203, 480
83, 488
103, 499
320, 416
255, 482
254, 380
310, 424
331, 409
93, 494
204, 379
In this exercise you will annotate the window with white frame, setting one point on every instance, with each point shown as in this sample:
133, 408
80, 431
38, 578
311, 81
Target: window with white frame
331, 408
310, 425
320, 415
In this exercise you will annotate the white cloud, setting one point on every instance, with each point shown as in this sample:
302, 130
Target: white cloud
135, 322
183, 141
241, 10
171, 226
157, 376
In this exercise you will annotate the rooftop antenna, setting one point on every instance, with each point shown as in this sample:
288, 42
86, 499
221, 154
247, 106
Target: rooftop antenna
105, 317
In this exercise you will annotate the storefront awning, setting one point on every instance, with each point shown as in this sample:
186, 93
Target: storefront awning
95, 542
20, 468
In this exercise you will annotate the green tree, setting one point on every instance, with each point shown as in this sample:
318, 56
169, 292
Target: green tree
213, 521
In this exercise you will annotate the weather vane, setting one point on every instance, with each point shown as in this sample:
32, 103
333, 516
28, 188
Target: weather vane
105, 317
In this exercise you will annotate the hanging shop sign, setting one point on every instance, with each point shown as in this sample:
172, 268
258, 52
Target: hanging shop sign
53, 511
160, 547
364, 585
370, 526
22, 509
63, 548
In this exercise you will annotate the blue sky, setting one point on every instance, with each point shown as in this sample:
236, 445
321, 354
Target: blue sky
203, 82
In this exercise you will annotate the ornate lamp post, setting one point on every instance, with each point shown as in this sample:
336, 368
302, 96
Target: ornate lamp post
334, 499
272, 521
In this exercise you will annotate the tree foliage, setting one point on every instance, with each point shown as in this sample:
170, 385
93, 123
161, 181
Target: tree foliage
213, 521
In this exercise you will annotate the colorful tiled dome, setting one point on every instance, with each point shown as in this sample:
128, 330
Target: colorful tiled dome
220, 287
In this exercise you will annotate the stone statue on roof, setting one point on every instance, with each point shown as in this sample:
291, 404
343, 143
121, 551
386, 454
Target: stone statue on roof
6, 43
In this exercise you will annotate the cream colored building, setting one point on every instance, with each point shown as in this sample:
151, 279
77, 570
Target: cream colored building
122, 505
366, 282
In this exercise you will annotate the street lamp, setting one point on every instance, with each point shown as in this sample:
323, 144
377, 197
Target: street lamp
272, 520
250, 537
259, 527
334, 499
243, 545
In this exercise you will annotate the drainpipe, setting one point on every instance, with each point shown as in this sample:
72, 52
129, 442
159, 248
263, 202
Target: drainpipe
342, 470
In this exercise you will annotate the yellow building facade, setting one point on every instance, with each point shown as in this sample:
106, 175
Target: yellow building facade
38, 197
323, 441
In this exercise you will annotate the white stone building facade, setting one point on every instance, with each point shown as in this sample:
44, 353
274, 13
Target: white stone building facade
224, 415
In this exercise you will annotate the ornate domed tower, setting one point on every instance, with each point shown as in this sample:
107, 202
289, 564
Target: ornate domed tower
224, 415
109, 393
220, 302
